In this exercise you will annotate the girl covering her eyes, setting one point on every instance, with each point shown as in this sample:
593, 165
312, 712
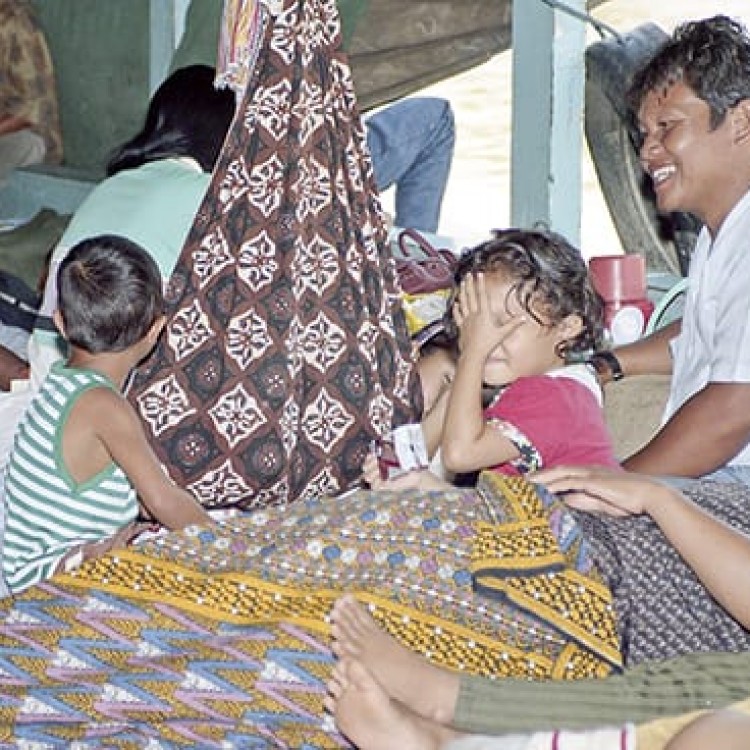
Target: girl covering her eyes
522, 306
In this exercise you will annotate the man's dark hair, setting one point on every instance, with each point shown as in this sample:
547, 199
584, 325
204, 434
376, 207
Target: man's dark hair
710, 56
109, 292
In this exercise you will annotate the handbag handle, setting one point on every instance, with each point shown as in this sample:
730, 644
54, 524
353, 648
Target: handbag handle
423, 275
444, 255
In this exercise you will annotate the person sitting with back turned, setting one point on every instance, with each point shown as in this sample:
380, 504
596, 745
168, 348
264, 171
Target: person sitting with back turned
29, 120
80, 462
692, 100
523, 306
156, 182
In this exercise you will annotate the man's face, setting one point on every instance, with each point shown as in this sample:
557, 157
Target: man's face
689, 164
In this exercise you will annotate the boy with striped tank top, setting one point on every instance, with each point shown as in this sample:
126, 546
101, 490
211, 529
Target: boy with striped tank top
81, 463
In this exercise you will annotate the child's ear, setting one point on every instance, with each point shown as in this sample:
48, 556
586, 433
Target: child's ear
569, 327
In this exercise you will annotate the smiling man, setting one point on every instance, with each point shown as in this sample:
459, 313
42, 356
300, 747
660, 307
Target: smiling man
692, 100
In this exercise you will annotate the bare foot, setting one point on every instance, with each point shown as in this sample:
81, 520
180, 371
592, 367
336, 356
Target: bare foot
402, 673
371, 720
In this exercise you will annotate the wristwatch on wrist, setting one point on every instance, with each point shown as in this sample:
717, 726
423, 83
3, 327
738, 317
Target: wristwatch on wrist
606, 363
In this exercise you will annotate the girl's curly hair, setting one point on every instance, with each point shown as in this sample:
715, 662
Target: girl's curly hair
549, 279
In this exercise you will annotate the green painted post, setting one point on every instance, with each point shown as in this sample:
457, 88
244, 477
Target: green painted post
547, 118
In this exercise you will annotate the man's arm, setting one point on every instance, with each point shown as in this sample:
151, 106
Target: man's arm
650, 355
648, 691
701, 436
711, 548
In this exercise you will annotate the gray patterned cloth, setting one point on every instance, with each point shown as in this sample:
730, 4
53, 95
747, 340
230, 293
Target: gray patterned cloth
663, 609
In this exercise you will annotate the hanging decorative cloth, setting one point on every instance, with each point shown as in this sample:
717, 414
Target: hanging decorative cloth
242, 28
285, 351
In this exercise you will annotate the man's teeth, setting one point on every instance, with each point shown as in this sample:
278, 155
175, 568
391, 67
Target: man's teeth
662, 173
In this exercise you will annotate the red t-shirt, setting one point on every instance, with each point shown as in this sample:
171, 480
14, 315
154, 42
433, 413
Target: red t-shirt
553, 421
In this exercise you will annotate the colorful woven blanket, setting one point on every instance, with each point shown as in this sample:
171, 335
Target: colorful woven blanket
217, 638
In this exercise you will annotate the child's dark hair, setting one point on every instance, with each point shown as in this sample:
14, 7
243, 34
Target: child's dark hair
548, 277
711, 56
109, 292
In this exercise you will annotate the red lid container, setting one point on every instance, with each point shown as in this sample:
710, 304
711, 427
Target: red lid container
619, 278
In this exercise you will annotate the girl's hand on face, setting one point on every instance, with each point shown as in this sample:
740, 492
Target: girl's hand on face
472, 304
478, 325
599, 490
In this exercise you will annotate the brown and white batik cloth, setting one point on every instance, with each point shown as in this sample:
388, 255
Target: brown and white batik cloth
286, 349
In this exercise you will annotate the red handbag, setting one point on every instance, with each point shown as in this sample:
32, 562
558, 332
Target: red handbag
428, 271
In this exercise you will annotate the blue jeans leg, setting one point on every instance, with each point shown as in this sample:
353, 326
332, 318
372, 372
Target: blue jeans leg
411, 143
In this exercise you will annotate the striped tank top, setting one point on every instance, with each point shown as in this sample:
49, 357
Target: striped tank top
47, 511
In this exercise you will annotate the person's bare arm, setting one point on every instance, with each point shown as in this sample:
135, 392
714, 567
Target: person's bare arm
433, 423
121, 432
12, 124
701, 436
647, 356
716, 552
468, 442
93, 550
12, 367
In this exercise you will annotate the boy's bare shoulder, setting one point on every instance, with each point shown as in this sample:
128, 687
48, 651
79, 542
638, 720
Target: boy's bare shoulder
105, 408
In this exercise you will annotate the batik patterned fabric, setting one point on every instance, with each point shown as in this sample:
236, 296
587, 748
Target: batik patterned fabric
218, 637
286, 350
663, 610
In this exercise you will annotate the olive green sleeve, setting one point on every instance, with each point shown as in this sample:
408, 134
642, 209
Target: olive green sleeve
643, 693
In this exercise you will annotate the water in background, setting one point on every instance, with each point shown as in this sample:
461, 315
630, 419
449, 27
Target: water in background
477, 197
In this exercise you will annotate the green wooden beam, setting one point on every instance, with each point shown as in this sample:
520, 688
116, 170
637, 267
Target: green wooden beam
547, 116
